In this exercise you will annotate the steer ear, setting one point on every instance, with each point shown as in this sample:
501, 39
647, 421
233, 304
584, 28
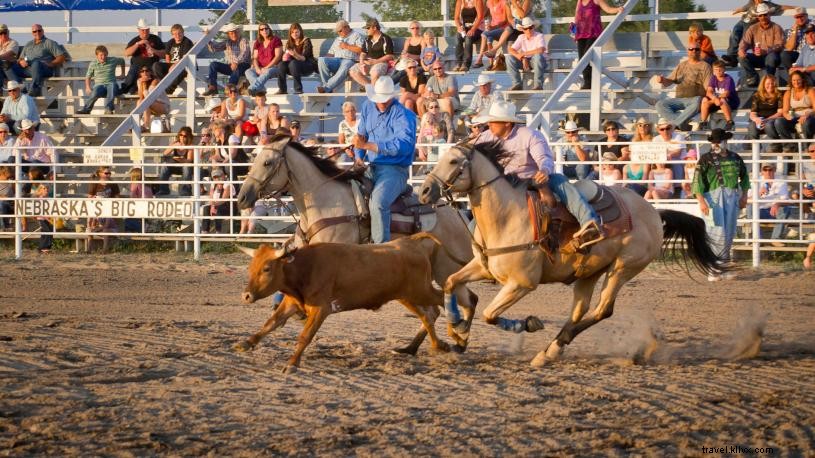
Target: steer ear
248, 251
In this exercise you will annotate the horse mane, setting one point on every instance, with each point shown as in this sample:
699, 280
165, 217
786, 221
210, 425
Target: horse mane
498, 157
324, 165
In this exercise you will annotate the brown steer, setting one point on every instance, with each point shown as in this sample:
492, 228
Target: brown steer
328, 278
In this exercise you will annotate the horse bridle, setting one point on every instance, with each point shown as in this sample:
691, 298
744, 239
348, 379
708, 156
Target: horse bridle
446, 186
277, 162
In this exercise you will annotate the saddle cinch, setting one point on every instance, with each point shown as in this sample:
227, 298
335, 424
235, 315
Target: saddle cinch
408, 216
556, 226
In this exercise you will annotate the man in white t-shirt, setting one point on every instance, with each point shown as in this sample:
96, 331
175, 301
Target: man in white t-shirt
772, 193
528, 51
676, 149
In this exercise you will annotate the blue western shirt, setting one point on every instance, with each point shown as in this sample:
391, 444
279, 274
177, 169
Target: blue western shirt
393, 131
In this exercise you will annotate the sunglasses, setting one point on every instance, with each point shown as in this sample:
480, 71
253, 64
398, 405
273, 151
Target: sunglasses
611, 128
107, 174
432, 106
438, 69
694, 49
767, 169
206, 135
264, 28
183, 135
413, 67
663, 129
761, 15
36, 31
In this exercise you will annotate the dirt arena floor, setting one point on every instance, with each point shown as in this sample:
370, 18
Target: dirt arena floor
131, 355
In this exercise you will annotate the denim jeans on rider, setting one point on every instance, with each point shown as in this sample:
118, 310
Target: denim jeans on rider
333, 71
389, 182
572, 199
538, 63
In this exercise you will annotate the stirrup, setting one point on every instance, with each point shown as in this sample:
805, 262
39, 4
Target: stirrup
588, 235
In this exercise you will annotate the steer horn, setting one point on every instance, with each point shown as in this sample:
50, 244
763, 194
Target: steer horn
248, 251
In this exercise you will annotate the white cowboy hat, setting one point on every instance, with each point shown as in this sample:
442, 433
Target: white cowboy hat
11, 85
483, 79
527, 23
570, 126
142, 25
664, 122
27, 124
231, 27
762, 8
382, 91
212, 103
500, 111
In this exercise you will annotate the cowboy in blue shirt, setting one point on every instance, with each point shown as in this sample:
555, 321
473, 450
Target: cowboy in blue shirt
386, 138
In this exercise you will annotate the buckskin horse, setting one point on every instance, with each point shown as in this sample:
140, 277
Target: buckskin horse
328, 212
520, 255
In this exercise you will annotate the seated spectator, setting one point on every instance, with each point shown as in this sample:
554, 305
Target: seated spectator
219, 203
342, 55
690, 170
636, 172
483, 98
794, 38
518, 9
276, 120
413, 83
494, 27
267, 52
6, 144
257, 124
806, 55
621, 152
574, 151
766, 41
434, 116
609, 174
675, 149
298, 60
35, 147
176, 48
435, 130
146, 84
138, 190
696, 34
528, 52
347, 130
178, 153
18, 106
468, 16
8, 54
213, 108
643, 131
40, 59
233, 108
798, 110
144, 50
40, 189
690, 76
767, 107
720, 95
296, 130
430, 52
747, 19
441, 88
6, 196
808, 176
102, 72
660, 186
411, 50
236, 53
220, 137
771, 194
376, 58
102, 189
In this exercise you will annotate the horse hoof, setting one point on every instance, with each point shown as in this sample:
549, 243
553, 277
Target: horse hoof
533, 324
443, 347
290, 369
244, 347
540, 360
458, 348
405, 351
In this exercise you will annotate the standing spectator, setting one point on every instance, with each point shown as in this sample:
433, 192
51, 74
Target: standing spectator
587, 22
413, 84
696, 34
298, 59
236, 53
621, 152
8, 54
144, 50
468, 16
6, 144
343, 54
103, 189
174, 157
528, 51
176, 48
690, 76
772, 193
39, 189
766, 40
794, 39
441, 88
675, 149
18, 106
220, 196
720, 185
387, 139
720, 95
499, 20
767, 107
267, 51
102, 72
575, 151
376, 58
146, 84
748, 19
39, 59
806, 58
35, 147
798, 109
483, 98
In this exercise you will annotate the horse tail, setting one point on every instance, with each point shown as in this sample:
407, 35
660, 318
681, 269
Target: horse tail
679, 227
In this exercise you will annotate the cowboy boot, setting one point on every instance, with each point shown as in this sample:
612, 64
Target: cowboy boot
589, 234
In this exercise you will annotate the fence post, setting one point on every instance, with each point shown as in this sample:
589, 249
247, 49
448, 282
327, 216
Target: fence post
196, 193
755, 171
18, 191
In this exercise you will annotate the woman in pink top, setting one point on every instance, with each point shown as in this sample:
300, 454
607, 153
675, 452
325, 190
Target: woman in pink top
587, 22
499, 20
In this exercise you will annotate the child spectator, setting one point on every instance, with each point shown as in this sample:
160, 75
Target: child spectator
430, 52
660, 185
256, 125
103, 74
610, 175
43, 191
720, 94
696, 34
690, 171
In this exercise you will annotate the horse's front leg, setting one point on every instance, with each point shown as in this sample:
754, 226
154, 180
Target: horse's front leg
509, 295
458, 328
279, 317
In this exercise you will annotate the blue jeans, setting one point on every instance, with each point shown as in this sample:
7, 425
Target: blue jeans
297, 69
108, 91
37, 71
735, 37
167, 171
572, 199
724, 209
678, 111
333, 71
538, 62
493, 34
786, 129
748, 64
225, 69
464, 48
389, 182
580, 172
257, 81
779, 230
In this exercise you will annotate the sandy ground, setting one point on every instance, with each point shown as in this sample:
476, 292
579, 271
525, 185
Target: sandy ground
132, 355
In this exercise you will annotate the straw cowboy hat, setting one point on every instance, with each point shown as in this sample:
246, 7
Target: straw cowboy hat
231, 27
527, 23
142, 25
12, 85
664, 122
382, 91
609, 156
571, 126
212, 103
762, 8
483, 79
499, 112
26, 124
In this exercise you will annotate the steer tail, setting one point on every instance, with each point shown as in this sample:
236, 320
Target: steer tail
679, 227
428, 235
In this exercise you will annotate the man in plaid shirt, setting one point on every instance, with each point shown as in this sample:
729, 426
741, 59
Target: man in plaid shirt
237, 54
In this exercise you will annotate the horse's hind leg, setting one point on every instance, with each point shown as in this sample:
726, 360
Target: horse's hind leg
279, 317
